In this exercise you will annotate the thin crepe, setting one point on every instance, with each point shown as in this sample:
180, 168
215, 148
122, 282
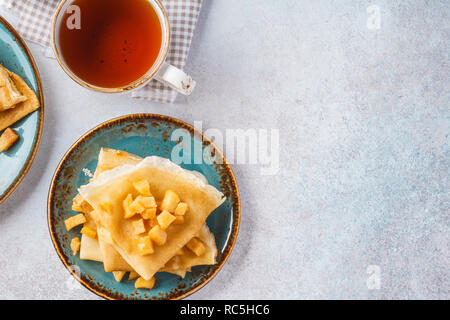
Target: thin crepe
109, 159
102, 251
189, 259
114, 185
179, 265
112, 261
21, 109
9, 95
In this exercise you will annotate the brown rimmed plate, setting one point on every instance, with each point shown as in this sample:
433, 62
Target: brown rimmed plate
144, 135
15, 162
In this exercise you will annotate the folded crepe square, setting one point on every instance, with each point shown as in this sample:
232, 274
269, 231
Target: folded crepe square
114, 185
102, 251
17, 99
9, 94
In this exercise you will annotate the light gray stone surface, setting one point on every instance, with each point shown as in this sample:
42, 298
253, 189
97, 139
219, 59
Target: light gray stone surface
363, 117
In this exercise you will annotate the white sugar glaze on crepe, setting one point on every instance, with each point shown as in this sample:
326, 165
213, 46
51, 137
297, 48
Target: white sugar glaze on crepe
112, 186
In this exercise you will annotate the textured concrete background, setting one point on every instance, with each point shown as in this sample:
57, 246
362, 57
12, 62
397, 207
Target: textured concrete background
363, 117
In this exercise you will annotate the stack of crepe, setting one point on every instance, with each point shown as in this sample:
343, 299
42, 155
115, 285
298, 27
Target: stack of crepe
113, 246
16, 99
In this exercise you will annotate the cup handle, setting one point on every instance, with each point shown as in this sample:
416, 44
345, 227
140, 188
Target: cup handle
176, 79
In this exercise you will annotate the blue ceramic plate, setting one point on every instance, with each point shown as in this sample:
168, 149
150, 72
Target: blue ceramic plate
144, 135
14, 163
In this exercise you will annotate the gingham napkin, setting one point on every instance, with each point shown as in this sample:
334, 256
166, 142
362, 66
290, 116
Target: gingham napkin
35, 25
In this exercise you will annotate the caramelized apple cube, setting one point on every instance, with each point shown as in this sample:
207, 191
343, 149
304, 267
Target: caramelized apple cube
148, 202
91, 233
165, 219
143, 187
170, 201
144, 245
135, 207
196, 246
141, 283
75, 245
133, 275
149, 213
76, 203
138, 226
158, 235
74, 221
86, 207
126, 206
181, 209
7, 139
118, 275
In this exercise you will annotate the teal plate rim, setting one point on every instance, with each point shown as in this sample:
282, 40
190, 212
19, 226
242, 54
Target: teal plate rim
225, 169
37, 138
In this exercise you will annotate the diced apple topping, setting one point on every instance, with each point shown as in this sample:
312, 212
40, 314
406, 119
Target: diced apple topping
181, 209
165, 219
144, 245
143, 187
81, 205
170, 201
149, 214
76, 203
133, 275
138, 226
126, 206
148, 202
74, 221
91, 233
196, 246
118, 275
7, 139
158, 235
178, 220
75, 245
135, 207
141, 283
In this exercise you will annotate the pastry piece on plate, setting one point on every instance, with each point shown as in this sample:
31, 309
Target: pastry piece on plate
10, 96
100, 250
10, 115
112, 260
110, 158
110, 189
7, 139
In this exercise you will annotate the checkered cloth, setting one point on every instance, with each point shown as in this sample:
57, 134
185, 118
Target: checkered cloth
35, 24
